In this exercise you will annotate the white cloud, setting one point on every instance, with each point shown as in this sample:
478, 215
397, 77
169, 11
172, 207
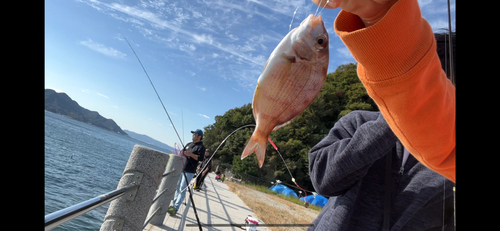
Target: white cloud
227, 37
103, 49
203, 38
438, 25
204, 116
94, 92
344, 52
187, 47
102, 95
196, 14
155, 20
423, 3
247, 9
231, 36
172, 113
284, 7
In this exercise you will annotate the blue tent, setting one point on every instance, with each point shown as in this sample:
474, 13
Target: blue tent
319, 201
283, 190
309, 199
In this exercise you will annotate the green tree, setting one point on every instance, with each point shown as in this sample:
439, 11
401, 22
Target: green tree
341, 93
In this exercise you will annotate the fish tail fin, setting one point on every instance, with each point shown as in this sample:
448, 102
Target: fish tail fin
257, 145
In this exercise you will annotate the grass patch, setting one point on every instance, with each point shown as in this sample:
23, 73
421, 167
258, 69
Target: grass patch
272, 209
265, 189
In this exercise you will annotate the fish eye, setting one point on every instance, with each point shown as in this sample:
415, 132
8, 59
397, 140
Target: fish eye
321, 42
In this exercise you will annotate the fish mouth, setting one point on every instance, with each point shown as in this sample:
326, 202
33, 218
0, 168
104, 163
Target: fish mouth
315, 20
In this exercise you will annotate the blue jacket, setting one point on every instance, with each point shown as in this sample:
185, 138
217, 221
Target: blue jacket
349, 167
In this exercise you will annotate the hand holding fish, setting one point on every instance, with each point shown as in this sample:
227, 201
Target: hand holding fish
369, 11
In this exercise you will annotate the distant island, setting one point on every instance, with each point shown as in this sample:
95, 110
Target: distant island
61, 103
149, 140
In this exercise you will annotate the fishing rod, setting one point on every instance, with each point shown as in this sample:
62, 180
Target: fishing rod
171, 122
270, 141
178, 136
452, 78
212, 156
154, 88
450, 44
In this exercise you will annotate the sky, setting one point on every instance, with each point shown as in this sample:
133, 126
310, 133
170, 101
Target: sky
203, 56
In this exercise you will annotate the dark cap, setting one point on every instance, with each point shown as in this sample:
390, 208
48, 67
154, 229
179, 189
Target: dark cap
198, 131
207, 150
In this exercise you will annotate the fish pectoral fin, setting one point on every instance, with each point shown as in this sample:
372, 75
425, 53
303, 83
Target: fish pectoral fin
292, 58
283, 124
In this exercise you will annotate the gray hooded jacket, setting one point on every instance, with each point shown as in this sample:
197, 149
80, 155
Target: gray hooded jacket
349, 167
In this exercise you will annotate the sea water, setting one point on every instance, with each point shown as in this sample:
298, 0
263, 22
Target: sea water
81, 162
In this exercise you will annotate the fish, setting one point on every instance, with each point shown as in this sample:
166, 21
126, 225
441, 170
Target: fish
291, 79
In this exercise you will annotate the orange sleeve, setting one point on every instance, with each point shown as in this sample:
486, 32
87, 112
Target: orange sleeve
400, 69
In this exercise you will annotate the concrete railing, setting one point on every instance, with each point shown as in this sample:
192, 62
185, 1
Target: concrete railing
166, 191
136, 196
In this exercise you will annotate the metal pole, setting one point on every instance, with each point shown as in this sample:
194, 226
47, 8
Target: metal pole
149, 218
59, 217
145, 167
192, 201
450, 33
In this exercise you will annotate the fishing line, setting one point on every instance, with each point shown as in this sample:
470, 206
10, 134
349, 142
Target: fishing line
291, 185
324, 6
223, 141
290, 27
171, 122
318, 7
269, 139
293, 179
144, 69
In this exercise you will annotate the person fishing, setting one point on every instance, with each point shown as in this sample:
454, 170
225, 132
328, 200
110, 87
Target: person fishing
208, 163
194, 152
399, 67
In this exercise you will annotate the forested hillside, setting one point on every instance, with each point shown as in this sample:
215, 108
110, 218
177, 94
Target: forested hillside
341, 94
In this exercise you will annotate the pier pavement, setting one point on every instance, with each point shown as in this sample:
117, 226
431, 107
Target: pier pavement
217, 207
